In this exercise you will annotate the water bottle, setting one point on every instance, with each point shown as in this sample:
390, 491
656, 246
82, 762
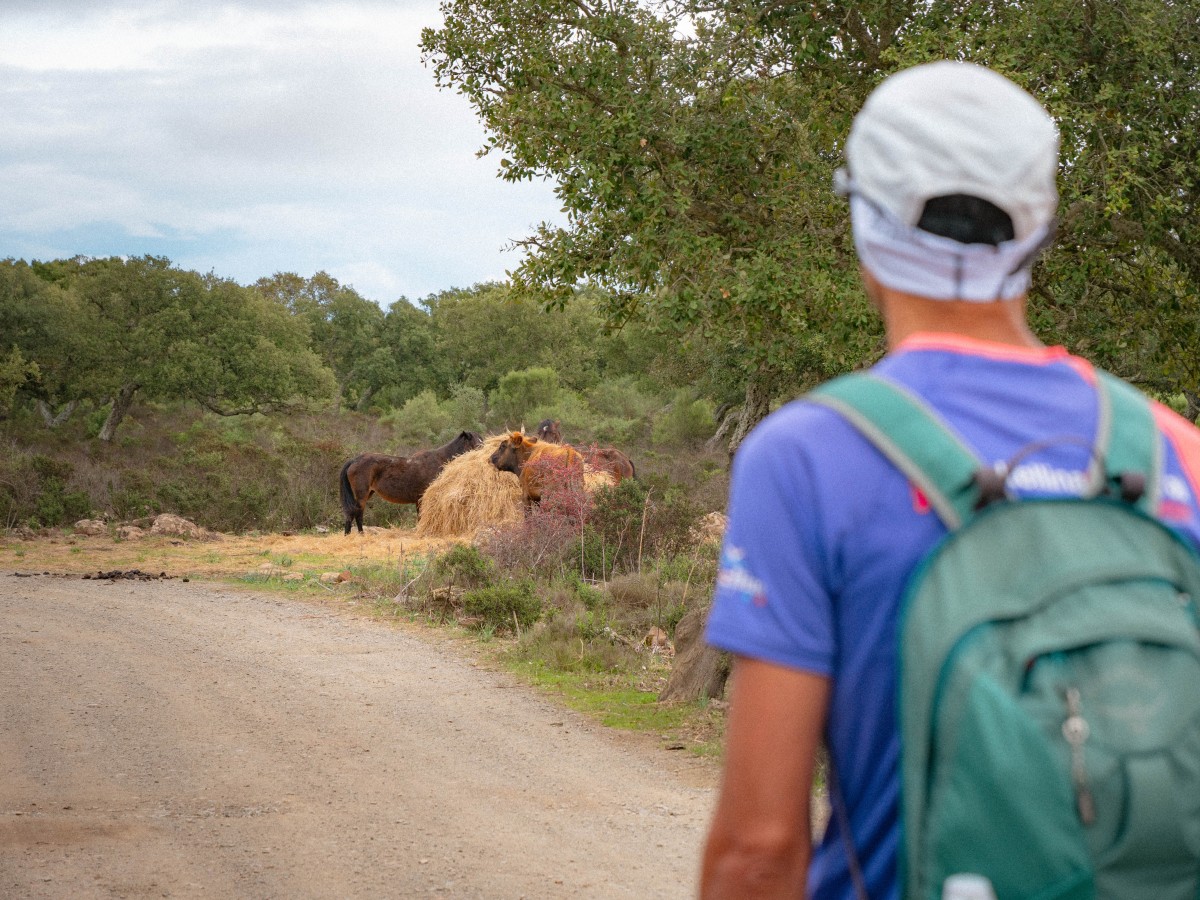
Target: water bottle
967, 886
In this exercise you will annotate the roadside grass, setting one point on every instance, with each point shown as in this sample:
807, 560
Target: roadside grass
623, 701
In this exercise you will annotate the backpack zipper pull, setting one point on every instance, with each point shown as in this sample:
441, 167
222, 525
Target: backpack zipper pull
1076, 730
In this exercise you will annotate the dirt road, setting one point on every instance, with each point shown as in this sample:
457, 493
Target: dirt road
162, 739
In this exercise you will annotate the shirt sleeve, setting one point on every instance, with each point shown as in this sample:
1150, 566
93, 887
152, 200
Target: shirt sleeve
1180, 502
772, 599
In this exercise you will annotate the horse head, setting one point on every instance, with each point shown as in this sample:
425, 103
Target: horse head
512, 453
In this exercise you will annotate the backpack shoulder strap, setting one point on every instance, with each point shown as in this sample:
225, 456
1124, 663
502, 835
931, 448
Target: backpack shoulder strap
1128, 442
912, 436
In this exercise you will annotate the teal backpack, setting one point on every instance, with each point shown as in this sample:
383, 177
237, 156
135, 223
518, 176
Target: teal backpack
1049, 685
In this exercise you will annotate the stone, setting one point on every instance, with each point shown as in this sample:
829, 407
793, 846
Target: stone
710, 529
130, 533
176, 526
658, 641
90, 527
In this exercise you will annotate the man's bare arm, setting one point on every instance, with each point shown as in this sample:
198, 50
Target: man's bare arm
759, 844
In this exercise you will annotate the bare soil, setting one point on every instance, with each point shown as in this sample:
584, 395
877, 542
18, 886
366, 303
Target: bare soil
169, 739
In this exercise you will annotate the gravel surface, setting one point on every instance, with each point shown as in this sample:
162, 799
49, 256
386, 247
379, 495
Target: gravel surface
170, 739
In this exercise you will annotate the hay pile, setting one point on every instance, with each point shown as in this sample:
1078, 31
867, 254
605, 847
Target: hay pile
594, 479
471, 493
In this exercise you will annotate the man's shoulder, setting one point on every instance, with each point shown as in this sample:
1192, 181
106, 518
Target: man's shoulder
800, 426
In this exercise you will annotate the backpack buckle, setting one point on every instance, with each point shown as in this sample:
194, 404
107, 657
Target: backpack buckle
992, 484
1132, 485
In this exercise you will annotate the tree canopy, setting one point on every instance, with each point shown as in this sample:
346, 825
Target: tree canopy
692, 144
123, 326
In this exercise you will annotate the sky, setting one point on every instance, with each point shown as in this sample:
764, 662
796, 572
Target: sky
250, 137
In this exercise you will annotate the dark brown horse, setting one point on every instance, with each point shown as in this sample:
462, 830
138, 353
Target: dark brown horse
610, 460
397, 479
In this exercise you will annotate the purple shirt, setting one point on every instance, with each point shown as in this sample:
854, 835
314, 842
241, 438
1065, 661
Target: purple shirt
824, 533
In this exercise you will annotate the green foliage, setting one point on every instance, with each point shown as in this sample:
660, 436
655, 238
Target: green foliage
40, 491
692, 145
147, 327
688, 421
621, 398
519, 393
419, 421
465, 566
466, 408
696, 185
492, 329
425, 420
576, 641
51, 330
577, 420
504, 606
15, 372
635, 522
590, 596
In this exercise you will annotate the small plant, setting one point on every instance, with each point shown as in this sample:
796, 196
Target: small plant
504, 607
465, 566
578, 641
589, 595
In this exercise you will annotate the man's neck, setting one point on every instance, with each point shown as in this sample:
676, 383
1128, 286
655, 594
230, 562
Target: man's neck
1001, 322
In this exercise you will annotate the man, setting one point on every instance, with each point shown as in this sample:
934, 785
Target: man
950, 175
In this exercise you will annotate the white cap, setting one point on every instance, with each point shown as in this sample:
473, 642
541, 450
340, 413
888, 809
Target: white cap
955, 128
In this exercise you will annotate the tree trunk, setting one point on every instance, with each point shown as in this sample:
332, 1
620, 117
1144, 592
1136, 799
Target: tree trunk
365, 400
726, 417
120, 407
1193, 405
699, 670
755, 409
53, 419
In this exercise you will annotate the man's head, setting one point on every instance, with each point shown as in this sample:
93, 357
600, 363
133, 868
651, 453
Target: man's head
950, 173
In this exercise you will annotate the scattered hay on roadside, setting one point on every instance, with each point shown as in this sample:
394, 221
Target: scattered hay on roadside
469, 494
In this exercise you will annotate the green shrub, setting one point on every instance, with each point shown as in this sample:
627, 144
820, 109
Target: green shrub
613, 531
686, 423
501, 606
621, 398
589, 595
420, 421
465, 566
574, 416
465, 409
577, 641
519, 393
47, 500
639, 601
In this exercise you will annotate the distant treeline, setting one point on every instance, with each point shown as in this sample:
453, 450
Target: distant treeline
94, 335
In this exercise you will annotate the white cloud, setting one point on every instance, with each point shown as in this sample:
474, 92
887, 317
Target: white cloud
248, 138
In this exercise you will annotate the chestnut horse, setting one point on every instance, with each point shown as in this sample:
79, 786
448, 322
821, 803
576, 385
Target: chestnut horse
397, 479
536, 463
603, 459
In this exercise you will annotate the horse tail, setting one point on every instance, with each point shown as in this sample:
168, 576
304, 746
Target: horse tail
350, 504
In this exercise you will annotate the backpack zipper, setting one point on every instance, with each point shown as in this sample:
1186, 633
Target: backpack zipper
1076, 730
